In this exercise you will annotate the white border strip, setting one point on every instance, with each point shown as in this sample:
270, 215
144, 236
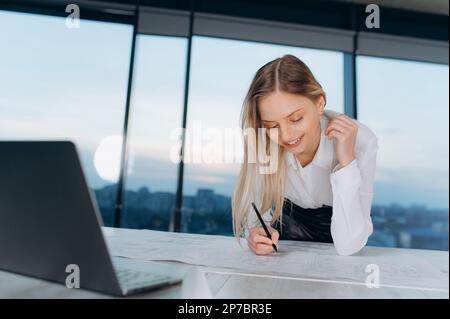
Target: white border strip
321, 280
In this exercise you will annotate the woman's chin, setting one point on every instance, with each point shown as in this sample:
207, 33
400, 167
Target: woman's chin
295, 150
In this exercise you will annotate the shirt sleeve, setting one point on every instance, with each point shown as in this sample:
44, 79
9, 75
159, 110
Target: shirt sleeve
352, 186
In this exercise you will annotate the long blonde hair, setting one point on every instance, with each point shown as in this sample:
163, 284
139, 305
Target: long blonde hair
288, 74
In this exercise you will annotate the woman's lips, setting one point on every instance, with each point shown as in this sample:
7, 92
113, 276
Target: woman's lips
297, 143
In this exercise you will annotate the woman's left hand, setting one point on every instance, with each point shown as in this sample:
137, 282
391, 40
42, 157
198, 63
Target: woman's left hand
344, 130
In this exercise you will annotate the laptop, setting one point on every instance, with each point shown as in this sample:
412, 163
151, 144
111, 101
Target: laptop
50, 226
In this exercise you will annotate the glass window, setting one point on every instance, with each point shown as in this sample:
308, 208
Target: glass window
156, 110
406, 104
61, 83
221, 72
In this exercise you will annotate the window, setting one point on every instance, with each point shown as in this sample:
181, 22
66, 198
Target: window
61, 83
156, 110
221, 72
406, 104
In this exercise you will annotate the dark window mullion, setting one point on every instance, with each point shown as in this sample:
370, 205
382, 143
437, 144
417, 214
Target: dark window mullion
350, 94
175, 223
124, 154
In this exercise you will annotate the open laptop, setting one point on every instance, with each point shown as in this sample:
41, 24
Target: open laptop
49, 222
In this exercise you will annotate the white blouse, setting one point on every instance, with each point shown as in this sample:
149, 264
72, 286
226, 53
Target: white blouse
349, 190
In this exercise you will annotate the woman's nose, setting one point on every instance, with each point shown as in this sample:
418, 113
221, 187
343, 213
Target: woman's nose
287, 134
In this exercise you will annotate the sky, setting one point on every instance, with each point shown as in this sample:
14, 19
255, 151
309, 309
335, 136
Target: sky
60, 83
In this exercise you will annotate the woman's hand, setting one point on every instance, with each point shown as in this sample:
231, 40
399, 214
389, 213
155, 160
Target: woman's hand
344, 130
259, 243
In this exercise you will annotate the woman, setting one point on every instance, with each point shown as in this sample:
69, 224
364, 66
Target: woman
322, 188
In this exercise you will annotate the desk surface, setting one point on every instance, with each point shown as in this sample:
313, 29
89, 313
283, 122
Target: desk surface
216, 282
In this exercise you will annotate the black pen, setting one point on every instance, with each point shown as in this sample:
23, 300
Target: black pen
264, 225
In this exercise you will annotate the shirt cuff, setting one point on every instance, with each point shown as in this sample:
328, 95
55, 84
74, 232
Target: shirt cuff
344, 178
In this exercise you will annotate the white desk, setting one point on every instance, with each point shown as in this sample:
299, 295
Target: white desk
234, 283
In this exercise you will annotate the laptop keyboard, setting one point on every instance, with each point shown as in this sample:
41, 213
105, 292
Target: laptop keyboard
132, 279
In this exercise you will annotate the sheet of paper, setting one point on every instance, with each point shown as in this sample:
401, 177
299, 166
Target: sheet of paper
397, 267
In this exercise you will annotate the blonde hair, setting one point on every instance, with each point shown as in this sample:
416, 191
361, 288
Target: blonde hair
288, 74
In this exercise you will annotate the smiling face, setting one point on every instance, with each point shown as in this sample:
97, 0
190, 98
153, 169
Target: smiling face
297, 119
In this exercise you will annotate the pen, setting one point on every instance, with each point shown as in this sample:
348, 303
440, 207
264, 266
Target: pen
264, 225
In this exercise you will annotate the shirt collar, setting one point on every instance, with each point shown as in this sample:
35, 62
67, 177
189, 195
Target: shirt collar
324, 154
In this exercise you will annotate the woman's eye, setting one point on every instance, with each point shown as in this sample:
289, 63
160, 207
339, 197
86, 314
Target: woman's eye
297, 119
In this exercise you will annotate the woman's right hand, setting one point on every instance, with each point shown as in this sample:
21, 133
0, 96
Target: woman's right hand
259, 243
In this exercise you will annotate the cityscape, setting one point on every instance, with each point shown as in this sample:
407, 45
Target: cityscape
209, 213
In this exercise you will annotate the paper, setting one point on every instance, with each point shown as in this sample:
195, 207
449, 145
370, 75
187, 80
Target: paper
195, 285
398, 267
